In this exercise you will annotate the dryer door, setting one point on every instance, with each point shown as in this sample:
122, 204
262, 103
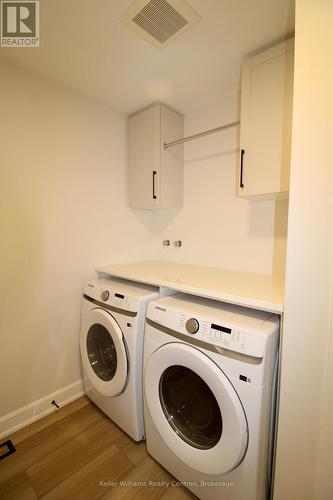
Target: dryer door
195, 409
103, 352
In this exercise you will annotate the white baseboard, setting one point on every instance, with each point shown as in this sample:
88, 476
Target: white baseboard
34, 411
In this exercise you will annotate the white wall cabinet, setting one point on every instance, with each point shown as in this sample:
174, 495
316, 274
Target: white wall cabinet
266, 116
155, 174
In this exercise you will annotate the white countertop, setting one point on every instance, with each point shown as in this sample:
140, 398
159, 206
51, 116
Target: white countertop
259, 291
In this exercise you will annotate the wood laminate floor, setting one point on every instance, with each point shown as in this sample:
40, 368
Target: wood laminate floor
78, 453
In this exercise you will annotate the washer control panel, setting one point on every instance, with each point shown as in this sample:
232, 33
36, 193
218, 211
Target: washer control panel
222, 335
226, 333
213, 333
202, 321
229, 338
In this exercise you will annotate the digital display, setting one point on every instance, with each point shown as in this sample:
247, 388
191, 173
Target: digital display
221, 328
119, 295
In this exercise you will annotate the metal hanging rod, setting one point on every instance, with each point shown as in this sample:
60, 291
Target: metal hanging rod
167, 145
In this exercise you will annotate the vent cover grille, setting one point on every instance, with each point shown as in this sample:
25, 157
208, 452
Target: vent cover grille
160, 20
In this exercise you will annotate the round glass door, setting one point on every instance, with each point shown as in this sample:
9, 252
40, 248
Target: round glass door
103, 352
195, 408
190, 407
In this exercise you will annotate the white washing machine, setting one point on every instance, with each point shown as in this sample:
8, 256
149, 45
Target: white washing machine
111, 341
208, 386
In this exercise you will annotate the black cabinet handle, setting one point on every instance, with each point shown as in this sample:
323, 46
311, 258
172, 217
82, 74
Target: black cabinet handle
154, 176
241, 183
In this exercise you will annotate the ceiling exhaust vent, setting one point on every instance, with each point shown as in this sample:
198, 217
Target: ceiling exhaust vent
160, 21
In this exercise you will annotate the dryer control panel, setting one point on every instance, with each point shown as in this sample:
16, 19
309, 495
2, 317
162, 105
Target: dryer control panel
120, 294
110, 295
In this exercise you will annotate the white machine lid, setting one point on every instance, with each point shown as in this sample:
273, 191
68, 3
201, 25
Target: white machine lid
229, 326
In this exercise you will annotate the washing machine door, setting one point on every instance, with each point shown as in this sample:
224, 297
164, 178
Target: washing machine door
103, 352
195, 409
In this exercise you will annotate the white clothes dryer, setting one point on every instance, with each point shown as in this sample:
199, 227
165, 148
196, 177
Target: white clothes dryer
111, 341
208, 386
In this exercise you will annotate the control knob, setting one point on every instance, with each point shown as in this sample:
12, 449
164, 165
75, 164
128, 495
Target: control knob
192, 326
105, 295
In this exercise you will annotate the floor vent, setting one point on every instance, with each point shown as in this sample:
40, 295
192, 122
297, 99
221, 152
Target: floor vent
6, 449
160, 21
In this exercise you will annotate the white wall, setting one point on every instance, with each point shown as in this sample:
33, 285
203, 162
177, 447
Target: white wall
216, 227
304, 469
63, 209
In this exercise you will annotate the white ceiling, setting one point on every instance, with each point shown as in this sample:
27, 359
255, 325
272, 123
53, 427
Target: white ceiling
85, 47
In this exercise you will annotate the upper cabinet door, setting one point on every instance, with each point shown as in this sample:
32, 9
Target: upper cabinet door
155, 175
144, 144
266, 121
